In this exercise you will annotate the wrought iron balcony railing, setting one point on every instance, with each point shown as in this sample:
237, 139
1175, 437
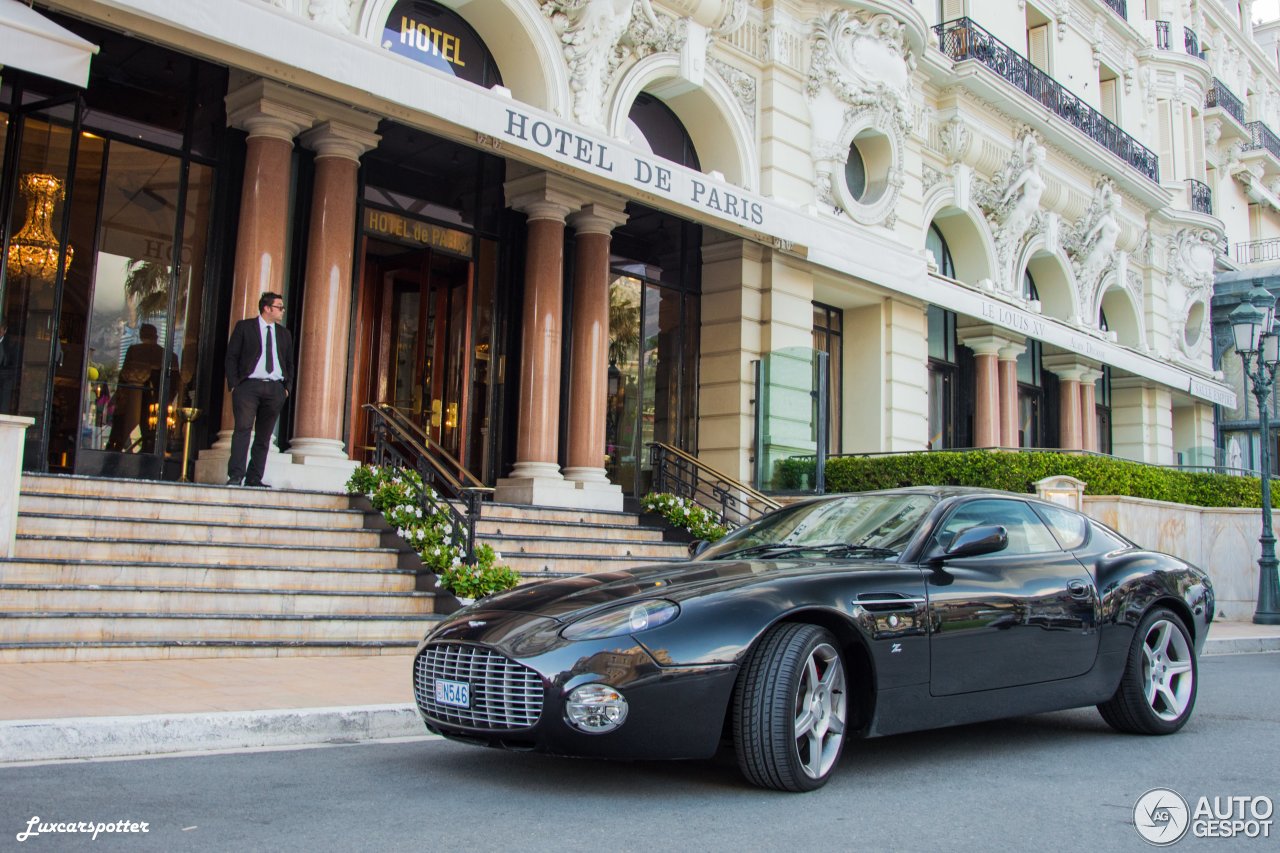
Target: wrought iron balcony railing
1192, 42
1220, 96
1201, 196
1259, 251
1162, 35
1261, 136
963, 39
1120, 7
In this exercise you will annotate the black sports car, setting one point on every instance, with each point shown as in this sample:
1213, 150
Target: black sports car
847, 616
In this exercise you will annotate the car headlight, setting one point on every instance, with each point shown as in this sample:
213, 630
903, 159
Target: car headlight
626, 619
595, 708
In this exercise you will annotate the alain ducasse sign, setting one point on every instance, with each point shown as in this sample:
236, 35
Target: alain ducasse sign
431, 34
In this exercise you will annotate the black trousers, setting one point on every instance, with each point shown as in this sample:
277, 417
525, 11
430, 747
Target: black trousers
256, 405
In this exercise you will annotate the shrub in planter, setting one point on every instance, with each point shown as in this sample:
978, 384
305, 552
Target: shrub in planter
1018, 472
683, 513
395, 492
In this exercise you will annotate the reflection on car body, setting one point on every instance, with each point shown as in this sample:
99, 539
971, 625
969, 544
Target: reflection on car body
842, 617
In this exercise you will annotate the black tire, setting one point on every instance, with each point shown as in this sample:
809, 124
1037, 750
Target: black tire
780, 744
1161, 675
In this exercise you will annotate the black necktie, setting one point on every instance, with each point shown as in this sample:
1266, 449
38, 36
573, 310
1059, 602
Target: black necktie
271, 348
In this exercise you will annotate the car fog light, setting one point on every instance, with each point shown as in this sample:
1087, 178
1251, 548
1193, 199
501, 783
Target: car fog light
596, 708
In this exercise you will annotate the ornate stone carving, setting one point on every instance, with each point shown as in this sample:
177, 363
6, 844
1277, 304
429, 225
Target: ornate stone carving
1092, 244
865, 61
589, 32
955, 138
332, 13
1012, 201
930, 177
1190, 281
741, 84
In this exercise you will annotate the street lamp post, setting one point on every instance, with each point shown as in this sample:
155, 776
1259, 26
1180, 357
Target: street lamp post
1259, 348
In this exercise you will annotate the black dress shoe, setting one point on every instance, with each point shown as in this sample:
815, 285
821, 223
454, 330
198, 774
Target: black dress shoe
235, 483
258, 485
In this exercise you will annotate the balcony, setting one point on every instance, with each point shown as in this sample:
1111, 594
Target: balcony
1120, 7
1201, 196
962, 39
1192, 42
1259, 251
1220, 96
1261, 136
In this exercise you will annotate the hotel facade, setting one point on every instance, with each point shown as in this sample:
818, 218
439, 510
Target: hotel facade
556, 232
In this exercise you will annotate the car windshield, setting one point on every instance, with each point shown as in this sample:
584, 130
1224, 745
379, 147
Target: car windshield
857, 526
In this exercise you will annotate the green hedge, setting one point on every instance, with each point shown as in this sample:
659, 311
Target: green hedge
1018, 472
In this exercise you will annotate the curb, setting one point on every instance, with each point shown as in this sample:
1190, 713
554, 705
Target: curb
117, 737
1240, 645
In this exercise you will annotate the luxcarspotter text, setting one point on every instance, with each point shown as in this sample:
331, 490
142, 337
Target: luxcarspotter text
35, 827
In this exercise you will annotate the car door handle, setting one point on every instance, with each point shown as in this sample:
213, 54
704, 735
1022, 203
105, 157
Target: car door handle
885, 602
1078, 589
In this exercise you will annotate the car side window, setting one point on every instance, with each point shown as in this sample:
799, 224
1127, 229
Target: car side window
1070, 529
1027, 533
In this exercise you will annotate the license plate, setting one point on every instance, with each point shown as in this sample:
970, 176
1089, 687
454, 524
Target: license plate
455, 693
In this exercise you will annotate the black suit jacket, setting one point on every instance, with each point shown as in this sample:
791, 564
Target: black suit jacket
245, 347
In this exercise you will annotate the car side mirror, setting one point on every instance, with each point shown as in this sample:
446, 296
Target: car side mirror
697, 546
977, 540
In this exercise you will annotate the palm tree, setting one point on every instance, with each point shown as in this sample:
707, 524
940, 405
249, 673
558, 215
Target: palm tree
146, 286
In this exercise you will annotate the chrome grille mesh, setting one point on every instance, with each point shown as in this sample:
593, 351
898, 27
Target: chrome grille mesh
504, 694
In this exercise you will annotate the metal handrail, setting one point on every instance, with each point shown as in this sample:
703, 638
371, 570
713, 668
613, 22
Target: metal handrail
1120, 7
1258, 251
1220, 96
686, 476
401, 443
1201, 196
1162, 35
1261, 136
1191, 42
962, 39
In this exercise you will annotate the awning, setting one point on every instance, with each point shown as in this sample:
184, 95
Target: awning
32, 42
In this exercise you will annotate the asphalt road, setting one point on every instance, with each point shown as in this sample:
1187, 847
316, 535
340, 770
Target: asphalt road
1061, 781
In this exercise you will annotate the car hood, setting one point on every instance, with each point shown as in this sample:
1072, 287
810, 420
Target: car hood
565, 597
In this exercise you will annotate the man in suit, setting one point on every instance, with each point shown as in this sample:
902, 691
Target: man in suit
260, 375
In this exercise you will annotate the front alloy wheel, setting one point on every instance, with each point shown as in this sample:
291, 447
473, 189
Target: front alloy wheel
791, 709
1158, 688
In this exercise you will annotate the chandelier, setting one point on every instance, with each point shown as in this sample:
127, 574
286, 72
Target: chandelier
34, 251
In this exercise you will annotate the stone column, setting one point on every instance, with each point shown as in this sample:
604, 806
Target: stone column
986, 409
319, 453
261, 238
1008, 370
1072, 370
536, 479
1089, 409
589, 354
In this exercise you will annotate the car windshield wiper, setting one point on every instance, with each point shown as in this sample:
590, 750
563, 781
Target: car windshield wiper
778, 549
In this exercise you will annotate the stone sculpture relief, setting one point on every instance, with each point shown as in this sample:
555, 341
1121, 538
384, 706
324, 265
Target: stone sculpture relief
337, 14
1012, 202
1092, 245
741, 84
589, 31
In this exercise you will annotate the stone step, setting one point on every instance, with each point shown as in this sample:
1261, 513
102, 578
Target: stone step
538, 527
534, 566
84, 652
169, 600
575, 516
133, 627
145, 509
183, 576
192, 534
67, 484
582, 546
222, 554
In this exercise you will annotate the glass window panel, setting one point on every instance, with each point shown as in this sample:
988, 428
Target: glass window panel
621, 445
1027, 533
132, 291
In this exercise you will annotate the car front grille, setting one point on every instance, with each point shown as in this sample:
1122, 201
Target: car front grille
504, 694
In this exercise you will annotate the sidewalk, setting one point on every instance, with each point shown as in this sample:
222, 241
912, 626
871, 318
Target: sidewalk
55, 711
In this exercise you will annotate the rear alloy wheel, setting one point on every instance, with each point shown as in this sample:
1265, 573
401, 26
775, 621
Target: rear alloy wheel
1158, 688
791, 709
